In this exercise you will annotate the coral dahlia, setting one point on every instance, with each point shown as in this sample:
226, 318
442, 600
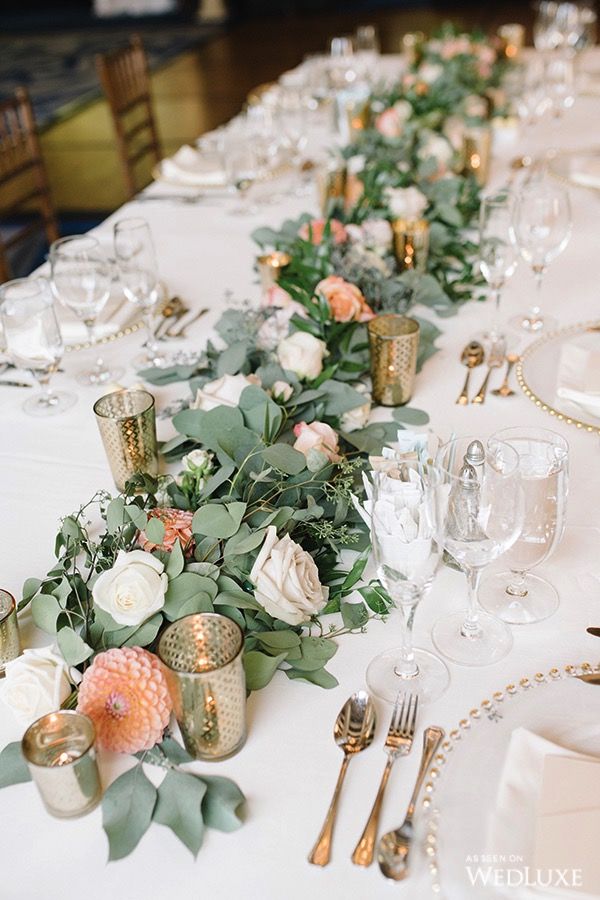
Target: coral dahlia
178, 527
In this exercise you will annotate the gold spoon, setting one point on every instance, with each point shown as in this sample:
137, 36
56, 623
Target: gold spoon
471, 356
353, 731
504, 390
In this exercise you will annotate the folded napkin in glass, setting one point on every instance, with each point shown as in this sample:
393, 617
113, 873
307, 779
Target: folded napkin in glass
196, 168
578, 378
544, 829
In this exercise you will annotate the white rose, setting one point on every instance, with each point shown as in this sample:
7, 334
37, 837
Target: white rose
436, 147
378, 234
403, 110
198, 461
281, 390
286, 580
134, 589
303, 354
454, 131
406, 203
429, 72
225, 391
275, 328
359, 416
36, 683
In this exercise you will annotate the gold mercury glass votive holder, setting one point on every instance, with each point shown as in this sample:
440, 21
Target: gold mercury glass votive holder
10, 645
411, 243
270, 267
331, 184
411, 46
477, 146
393, 343
512, 36
127, 424
59, 750
202, 657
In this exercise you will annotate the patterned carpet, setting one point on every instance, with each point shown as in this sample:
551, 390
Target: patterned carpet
58, 68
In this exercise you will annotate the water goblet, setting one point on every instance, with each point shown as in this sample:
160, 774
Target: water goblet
483, 517
497, 251
33, 340
241, 166
81, 277
515, 595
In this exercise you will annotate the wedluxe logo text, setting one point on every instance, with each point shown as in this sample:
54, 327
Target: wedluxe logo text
495, 872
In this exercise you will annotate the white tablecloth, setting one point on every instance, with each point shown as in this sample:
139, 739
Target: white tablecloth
288, 767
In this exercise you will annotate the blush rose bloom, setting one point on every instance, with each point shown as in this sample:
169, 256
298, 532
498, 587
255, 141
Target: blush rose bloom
36, 683
313, 231
358, 417
277, 296
286, 580
225, 391
317, 436
406, 203
302, 353
345, 300
134, 589
390, 122
282, 391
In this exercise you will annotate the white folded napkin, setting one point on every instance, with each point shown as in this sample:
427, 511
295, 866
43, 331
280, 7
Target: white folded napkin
578, 378
194, 168
546, 818
585, 170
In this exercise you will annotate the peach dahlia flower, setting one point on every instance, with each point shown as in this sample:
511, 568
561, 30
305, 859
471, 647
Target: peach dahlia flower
178, 527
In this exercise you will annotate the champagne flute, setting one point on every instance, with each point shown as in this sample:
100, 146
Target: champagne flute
497, 251
516, 596
33, 340
81, 278
541, 225
138, 271
483, 518
407, 548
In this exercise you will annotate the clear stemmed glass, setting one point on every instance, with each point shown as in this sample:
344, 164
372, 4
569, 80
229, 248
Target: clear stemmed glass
516, 596
81, 279
483, 518
560, 81
138, 271
497, 251
33, 340
541, 225
242, 168
407, 547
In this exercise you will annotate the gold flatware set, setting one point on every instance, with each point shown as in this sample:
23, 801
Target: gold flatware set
353, 732
474, 355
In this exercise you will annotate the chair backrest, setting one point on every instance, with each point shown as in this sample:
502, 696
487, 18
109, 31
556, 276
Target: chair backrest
126, 82
24, 190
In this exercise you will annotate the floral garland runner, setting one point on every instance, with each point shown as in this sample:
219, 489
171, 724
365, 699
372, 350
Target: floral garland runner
273, 442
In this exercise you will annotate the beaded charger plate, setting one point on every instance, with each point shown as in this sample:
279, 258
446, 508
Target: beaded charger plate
461, 788
536, 374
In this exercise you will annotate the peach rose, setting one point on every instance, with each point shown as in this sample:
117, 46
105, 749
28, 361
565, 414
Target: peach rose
277, 296
313, 231
317, 436
345, 300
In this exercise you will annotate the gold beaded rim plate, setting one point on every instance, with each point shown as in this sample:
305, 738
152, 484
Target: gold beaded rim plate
524, 378
441, 824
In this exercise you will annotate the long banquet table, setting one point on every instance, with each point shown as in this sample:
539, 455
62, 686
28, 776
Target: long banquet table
289, 764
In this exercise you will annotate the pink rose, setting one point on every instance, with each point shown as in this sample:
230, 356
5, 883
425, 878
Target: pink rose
387, 123
313, 231
276, 296
345, 300
317, 436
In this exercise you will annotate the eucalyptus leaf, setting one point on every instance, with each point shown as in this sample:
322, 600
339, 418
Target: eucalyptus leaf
13, 768
320, 677
115, 514
45, 610
410, 416
284, 458
219, 520
155, 530
178, 807
278, 640
127, 808
260, 668
137, 516
354, 615
221, 803
72, 646
176, 561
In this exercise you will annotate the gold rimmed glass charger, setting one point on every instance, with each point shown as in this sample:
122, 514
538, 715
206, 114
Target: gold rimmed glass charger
537, 371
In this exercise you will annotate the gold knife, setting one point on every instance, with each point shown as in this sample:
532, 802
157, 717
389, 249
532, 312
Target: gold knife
590, 677
593, 631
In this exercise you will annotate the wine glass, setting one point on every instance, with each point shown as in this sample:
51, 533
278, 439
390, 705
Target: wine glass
560, 81
138, 271
497, 251
407, 547
81, 277
516, 596
33, 340
241, 166
541, 225
483, 518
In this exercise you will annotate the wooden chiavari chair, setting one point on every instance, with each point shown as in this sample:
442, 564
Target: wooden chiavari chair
126, 82
25, 201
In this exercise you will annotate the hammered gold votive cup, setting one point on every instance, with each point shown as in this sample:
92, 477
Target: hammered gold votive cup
411, 243
270, 267
202, 658
477, 148
393, 343
59, 750
127, 424
512, 36
10, 644
331, 184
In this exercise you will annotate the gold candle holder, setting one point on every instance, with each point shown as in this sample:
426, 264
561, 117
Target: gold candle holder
59, 749
512, 36
10, 645
411, 243
411, 44
394, 343
331, 184
477, 148
127, 424
270, 266
202, 656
